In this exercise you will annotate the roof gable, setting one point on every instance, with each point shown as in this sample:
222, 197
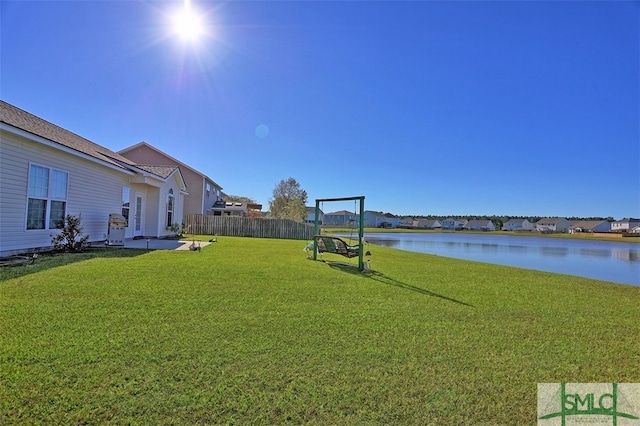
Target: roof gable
162, 171
587, 224
516, 221
148, 146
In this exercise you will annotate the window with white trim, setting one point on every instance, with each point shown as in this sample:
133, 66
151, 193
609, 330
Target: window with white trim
126, 202
170, 204
47, 197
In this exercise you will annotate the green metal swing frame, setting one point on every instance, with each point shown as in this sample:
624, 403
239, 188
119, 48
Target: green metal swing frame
349, 249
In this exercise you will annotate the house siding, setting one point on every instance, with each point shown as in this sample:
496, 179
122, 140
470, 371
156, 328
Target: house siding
340, 219
160, 207
553, 225
90, 194
214, 195
197, 202
518, 225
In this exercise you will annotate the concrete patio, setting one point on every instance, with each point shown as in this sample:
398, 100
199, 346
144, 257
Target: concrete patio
163, 244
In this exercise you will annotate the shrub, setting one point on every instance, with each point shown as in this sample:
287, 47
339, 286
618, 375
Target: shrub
176, 228
70, 238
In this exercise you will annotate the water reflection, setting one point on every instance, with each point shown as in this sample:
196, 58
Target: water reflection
593, 252
603, 260
554, 251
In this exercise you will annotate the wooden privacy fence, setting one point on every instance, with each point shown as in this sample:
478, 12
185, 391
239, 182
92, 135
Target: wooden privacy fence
236, 226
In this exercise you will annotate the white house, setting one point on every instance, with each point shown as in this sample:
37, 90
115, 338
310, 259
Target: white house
625, 225
429, 224
311, 215
552, 224
203, 191
391, 220
47, 172
452, 223
480, 225
373, 219
518, 225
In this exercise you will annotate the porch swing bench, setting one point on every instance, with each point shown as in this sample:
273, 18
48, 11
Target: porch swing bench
327, 244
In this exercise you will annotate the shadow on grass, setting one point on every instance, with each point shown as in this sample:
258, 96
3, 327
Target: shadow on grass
53, 260
382, 278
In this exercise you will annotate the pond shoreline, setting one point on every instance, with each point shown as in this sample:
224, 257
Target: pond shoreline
605, 260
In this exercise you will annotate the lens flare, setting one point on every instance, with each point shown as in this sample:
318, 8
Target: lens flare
188, 24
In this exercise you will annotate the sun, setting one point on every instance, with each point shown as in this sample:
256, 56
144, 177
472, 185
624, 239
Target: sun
188, 24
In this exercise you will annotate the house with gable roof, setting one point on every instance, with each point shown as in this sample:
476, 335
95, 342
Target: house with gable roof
480, 225
341, 218
408, 223
429, 224
47, 172
516, 224
590, 226
451, 223
628, 224
552, 224
311, 215
203, 191
374, 219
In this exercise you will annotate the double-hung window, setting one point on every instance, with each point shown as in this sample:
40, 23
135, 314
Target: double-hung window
47, 197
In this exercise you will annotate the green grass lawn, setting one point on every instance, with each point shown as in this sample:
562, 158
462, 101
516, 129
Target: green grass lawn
248, 331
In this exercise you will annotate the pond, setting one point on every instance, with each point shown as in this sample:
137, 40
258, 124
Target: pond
603, 260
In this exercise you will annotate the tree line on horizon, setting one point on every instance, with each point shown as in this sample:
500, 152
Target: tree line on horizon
289, 201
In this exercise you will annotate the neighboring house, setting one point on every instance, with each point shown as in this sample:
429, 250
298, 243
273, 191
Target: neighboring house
203, 191
341, 218
552, 224
234, 208
625, 225
392, 220
408, 222
480, 225
47, 172
373, 219
429, 224
590, 226
518, 225
451, 223
311, 215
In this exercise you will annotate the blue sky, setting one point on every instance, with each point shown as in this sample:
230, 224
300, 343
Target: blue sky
424, 107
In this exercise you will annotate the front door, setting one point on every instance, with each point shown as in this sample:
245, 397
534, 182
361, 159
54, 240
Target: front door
137, 218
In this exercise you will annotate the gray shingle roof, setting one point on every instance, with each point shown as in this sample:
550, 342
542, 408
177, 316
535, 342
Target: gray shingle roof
23, 120
162, 171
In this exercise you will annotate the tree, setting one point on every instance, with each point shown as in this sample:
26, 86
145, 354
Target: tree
289, 201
